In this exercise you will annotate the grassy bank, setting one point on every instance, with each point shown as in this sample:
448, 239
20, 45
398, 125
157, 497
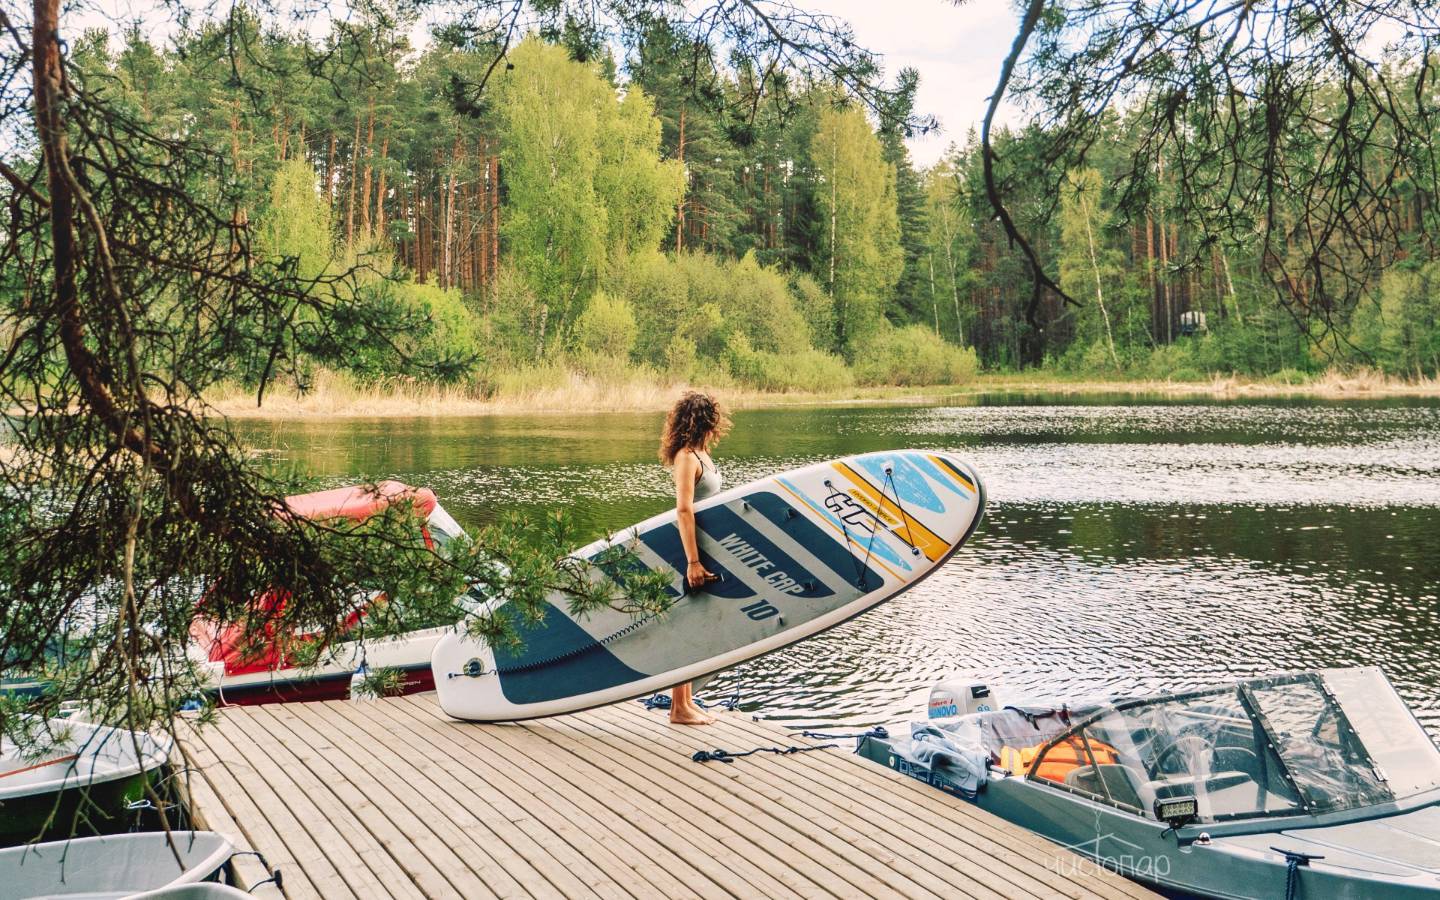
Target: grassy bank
565, 390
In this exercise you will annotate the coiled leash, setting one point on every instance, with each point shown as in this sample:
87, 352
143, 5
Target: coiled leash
725, 756
662, 701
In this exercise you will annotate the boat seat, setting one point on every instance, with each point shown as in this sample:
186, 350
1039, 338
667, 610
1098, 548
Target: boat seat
1118, 780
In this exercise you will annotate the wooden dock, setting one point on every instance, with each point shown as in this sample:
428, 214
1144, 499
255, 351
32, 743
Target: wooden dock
391, 798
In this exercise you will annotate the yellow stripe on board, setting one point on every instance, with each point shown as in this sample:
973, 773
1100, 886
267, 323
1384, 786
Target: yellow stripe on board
909, 528
851, 546
948, 469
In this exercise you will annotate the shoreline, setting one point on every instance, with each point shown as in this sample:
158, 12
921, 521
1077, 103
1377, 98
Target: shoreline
335, 397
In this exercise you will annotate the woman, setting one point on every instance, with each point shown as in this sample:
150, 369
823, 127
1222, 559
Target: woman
694, 425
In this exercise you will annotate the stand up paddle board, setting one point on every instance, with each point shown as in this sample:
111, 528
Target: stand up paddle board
796, 553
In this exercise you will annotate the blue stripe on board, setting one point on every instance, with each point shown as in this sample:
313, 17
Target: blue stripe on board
555, 658
878, 544
909, 483
754, 550
821, 545
664, 540
939, 477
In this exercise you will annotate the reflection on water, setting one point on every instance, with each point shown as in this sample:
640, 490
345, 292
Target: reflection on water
1128, 547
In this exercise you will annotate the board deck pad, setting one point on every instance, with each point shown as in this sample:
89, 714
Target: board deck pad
797, 553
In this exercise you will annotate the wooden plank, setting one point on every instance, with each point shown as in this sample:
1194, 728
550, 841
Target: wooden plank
355, 794
574, 815
570, 872
259, 831
822, 834
207, 812
989, 834
440, 837
329, 820
260, 753
923, 862
730, 834
259, 781
740, 876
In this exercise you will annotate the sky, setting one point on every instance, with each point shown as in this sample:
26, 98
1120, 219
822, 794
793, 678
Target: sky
957, 51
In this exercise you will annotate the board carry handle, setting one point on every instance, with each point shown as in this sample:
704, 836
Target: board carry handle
709, 580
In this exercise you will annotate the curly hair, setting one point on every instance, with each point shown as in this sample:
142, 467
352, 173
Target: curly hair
695, 420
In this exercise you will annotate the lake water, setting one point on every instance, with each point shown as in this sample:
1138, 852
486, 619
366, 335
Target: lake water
1130, 545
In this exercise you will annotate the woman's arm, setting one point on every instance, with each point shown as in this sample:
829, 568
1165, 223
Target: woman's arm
685, 470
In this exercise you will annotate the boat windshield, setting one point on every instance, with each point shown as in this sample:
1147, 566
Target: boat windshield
1306, 743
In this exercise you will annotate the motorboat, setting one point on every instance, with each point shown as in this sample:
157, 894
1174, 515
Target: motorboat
1308, 784
112, 866
71, 772
240, 670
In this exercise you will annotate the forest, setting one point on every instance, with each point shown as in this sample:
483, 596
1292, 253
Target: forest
593, 214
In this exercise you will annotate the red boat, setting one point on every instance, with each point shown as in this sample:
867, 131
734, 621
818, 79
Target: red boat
241, 673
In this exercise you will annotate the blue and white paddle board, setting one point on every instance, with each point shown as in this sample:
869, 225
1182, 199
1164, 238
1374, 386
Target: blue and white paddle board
798, 553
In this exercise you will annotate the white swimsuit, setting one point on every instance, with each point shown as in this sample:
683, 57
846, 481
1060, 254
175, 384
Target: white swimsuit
709, 482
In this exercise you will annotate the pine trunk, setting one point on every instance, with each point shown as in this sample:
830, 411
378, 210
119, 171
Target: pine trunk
380, 188
680, 211
354, 169
369, 158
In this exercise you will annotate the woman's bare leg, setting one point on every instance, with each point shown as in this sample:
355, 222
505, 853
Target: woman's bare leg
683, 710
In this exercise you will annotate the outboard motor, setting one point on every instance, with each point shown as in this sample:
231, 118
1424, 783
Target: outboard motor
959, 696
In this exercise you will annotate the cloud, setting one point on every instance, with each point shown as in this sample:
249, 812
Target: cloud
957, 51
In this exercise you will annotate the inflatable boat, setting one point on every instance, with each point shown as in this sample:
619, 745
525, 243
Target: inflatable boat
71, 773
113, 866
1311, 784
242, 672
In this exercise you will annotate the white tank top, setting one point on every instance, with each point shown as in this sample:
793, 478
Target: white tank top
709, 482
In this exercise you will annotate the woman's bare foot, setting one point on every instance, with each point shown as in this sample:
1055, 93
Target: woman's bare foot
683, 710
689, 715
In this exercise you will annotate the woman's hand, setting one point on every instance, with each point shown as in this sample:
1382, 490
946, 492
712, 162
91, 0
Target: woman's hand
696, 575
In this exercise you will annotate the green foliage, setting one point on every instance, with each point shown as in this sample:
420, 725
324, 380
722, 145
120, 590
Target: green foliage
949, 243
555, 223
806, 370
913, 355
385, 681
1088, 266
1399, 326
296, 226
801, 225
448, 344
758, 303
607, 327
584, 180
816, 307
861, 256
638, 188
687, 308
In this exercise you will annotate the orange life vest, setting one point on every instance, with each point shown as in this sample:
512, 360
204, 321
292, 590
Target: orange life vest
1062, 759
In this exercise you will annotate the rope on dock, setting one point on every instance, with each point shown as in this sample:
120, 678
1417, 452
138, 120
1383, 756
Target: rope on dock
725, 756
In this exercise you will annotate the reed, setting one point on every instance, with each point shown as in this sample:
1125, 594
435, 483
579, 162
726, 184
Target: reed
559, 388
542, 389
